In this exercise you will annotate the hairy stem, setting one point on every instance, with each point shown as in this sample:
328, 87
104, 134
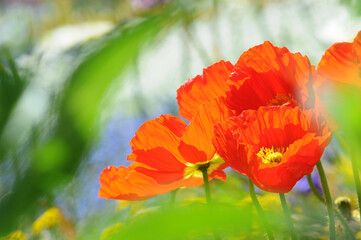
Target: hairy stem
259, 209
331, 218
287, 213
206, 185
348, 230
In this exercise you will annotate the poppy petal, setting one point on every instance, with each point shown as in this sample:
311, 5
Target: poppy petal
159, 159
275, 126
203, 88
162, 177
164, 131
119, 183
132, 185
199, 132
266, 75
191, 153
218, 175
225, 141
340, 63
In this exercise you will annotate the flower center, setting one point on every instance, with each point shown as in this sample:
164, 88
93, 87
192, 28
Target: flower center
271, 155
280, 99
195, 169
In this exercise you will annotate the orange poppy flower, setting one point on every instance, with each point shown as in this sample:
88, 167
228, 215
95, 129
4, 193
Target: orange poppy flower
203, 88
168, 154
266, 75
126, 183
168, 157
339, 83
274, 146
341, 63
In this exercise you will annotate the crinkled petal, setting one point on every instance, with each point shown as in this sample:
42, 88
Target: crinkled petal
225, 141
128, 184
203, 88
218, 175
162, 177
164, 132
199, 132
340, 63
266, 75
159, 159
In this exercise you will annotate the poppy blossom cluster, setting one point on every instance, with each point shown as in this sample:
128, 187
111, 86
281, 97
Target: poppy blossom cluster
260, 117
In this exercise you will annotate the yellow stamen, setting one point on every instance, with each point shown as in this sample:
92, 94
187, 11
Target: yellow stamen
271, 155
194, 169
280, 99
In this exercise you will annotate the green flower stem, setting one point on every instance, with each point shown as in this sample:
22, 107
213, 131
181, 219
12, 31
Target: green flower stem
313, 189
208, 194
288, 216
206, 185
259, 209
337, 212
331, 218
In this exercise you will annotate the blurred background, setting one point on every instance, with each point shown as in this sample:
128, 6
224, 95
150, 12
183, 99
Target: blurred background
78, 77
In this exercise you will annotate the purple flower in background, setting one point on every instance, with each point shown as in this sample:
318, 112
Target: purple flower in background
146, 4
303, 187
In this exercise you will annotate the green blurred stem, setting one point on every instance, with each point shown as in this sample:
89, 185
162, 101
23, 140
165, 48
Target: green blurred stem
287, 213
337, 212
172, 197
206, 184
204, 171
259, 209
355, 167
356, 176
331, 218
199, 47
12, 65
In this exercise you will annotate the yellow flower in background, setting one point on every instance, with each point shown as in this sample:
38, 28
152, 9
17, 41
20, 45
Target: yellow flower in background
122, 205
17, 235
108, 232
358, 235
344, 167
50, 218
268, 201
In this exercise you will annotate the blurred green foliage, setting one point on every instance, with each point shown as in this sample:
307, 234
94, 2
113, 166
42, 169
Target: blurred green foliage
11, 88
194, 221
55, 159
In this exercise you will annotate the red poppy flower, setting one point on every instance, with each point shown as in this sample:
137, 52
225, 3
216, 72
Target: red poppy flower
168, 157
266, 75
274, 146
203, 88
